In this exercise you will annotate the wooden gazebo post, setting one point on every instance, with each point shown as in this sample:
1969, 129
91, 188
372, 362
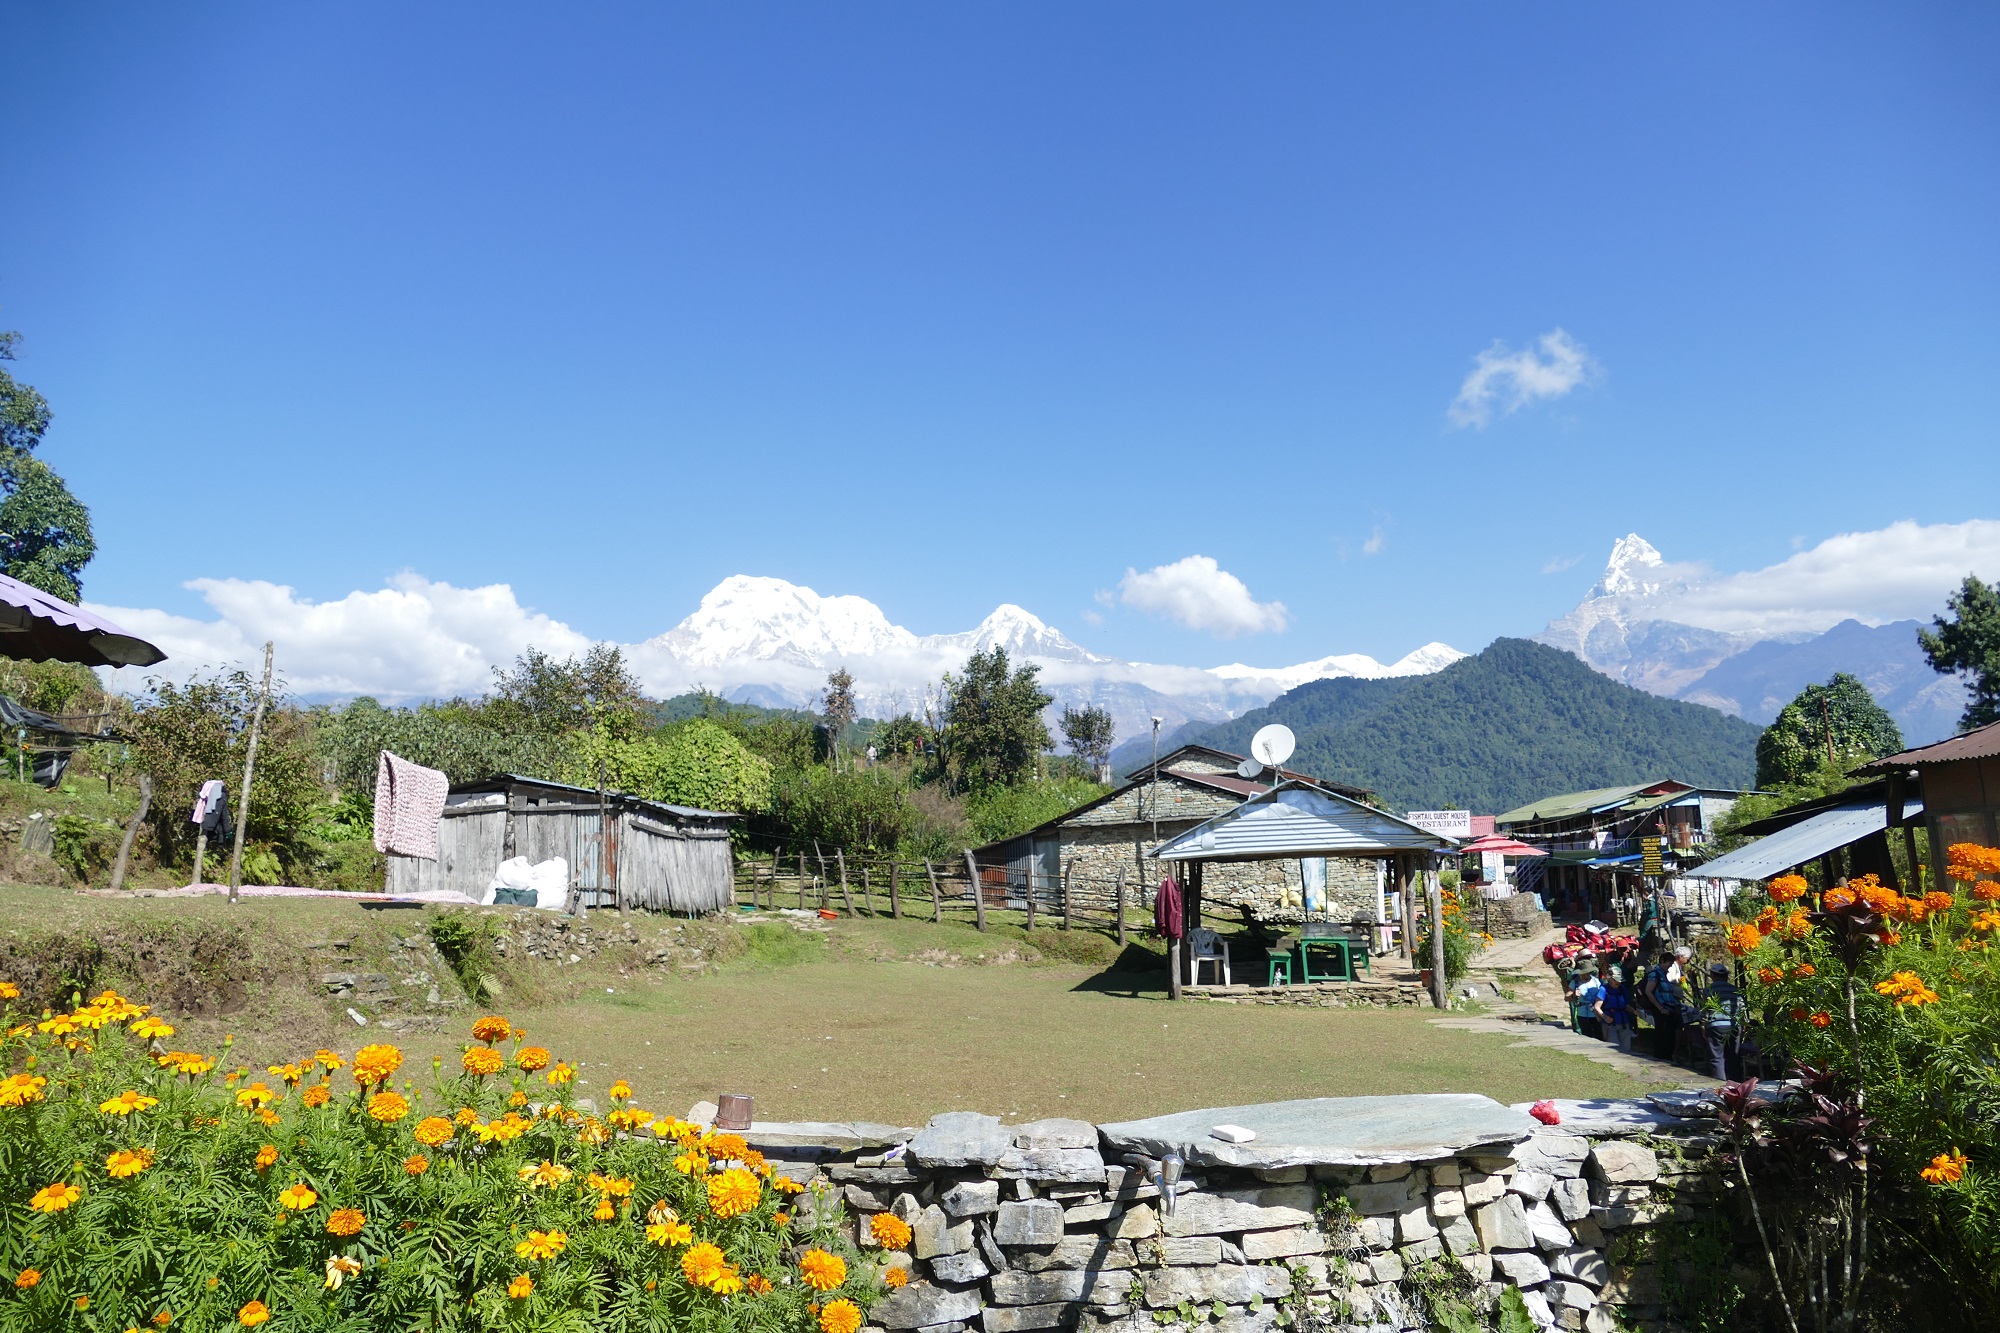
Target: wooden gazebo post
1434, 896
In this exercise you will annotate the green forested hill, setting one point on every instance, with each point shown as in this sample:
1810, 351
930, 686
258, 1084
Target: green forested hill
1494, 731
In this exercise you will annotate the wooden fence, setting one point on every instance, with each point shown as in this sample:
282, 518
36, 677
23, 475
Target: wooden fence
938, 891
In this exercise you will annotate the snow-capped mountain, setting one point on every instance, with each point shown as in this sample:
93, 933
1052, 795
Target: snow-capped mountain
1627, 627
768, 641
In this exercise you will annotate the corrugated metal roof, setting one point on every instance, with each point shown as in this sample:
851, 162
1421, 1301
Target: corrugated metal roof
1803, 842
1981, 744
1572, 803
1299, 820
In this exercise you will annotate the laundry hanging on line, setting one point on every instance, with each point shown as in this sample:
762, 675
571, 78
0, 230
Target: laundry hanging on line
409, 802
211, 811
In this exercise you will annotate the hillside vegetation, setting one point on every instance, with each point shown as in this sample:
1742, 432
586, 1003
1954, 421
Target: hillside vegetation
1497, 730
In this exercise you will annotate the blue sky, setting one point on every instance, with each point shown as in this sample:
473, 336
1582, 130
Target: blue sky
948, 306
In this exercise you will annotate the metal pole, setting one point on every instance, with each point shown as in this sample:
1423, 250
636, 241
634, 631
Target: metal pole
1156, 782
249, 767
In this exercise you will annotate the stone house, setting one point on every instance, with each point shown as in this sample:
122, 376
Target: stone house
1191, 785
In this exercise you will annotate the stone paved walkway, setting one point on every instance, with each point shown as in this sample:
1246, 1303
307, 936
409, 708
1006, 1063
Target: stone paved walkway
1518, 1020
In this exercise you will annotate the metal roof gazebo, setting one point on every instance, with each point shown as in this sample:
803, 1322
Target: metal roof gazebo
1299, 819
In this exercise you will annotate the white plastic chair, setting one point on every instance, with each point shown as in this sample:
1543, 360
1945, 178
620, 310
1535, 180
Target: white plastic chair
1205, 946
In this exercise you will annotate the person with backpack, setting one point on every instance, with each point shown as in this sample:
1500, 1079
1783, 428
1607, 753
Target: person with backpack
1614, 1009
1588, 996
1662, 995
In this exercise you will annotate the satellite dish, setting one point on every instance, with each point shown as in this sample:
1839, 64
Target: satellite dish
1273, 745
1249, 769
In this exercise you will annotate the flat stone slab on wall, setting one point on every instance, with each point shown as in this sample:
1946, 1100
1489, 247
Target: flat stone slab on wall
1330, 1131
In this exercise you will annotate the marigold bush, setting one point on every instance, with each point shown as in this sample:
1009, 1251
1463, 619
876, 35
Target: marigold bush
156, 1188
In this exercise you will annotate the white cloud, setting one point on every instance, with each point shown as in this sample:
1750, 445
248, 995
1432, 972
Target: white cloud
1901, 572
1504, 381
1562, 562
415, 639
1200, 594
1376, 541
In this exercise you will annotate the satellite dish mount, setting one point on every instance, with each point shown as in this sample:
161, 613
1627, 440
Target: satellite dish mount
1271, 747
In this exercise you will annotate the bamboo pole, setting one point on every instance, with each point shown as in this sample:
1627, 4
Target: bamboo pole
249, 770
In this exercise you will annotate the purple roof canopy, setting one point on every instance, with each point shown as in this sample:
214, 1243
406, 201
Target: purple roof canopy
39, 627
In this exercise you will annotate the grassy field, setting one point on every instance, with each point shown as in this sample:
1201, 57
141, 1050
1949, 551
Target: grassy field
870, 1019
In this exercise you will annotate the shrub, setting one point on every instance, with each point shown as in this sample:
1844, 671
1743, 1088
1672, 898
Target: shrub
153, 1187
1460, 940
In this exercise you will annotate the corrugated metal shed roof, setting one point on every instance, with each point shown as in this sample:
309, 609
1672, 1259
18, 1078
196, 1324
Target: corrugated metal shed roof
1295, 819
1803, 842
1981, 744
1573, 803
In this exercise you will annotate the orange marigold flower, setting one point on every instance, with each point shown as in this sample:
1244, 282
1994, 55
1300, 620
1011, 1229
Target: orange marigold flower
298, 1197
702, 1264
1892, 937
27, 1278
1986, 891
1946, 1168
1767, 919
345, 1221
82, 1302
890, 1231
1939, 901
781, 1220
433, 1131
1907, 988
521, 1287
253, 1314
518, 1099
127, 1162
1822, 1019
388, 1107
1837, 898
1786, 888
492, 1028
841, 1316
1804, 970
758, 1284
895, 1277
481, 1060
1798, 1015
416, 1164
734, 1192
316, 1095
822, 1271
376, 1064
1743, 939
1770, 976
1911, 909
54, 1198
266, 1155
532, 1058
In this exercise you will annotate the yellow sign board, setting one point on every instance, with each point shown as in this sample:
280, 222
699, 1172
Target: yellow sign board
1649, 852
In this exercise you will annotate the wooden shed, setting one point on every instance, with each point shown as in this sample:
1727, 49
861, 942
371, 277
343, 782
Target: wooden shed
663, 858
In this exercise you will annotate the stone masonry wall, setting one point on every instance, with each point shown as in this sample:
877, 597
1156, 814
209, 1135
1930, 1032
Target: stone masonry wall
1046, 1226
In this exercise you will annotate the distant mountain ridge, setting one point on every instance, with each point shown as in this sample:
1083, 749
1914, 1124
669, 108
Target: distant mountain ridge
1497, 730
1623, 628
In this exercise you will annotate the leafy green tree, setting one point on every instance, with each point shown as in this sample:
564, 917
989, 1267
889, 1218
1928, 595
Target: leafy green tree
456, 737
553, 697
698, 763
1837, 723
45, 536
1091, 733
993, 728
1001, 812
904, 737
1969, 645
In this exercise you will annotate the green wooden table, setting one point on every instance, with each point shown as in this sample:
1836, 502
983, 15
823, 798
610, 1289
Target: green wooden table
1340, 940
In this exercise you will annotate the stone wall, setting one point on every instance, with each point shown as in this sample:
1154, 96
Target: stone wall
1338, 1215
1511, 918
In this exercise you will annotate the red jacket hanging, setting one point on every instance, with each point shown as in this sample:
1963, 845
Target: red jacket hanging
1169, 912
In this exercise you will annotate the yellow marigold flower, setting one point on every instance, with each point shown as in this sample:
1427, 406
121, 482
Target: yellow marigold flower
54, 1198
9, 991
1743, 939
253, 1314
254, 1096
298, 1197
542, 1244
841, 1316
388, 1107
416, 1164
560, 1075
316, 1095
186, 1062
691, 1163
290, 1073
328, 1058
345, 1221
619, 1091
604, 1211
20, 1089
728, 1282
890, 1231
725, 1145
510, 1127
702, 1264
733, 1193
376, 1064
518, 1099
822, 1271
662, 1211
492, 1028
664, 1234
1786, 888
1946, 1168
126, 1162
481, 1060
150, 1028
593, 1131
338, 1269
758, 1284
266, 1157
548, 1173
630, 1118
1986, 921
21, 1030
521, 1287
1907, 988
128, 1101
28, 1277
532, 1058
786, 1185
893, 1278
618, 1187
433, 1131
484, 1133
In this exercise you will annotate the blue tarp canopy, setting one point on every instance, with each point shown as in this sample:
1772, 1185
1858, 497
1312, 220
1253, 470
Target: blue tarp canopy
1805, 841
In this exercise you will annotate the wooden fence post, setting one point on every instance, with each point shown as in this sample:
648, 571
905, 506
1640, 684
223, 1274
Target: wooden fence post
937, 899
1030, 878
1068, 871
802, 881
132, 831
978, 894
1119, 894
867, 889
840, 859
895, 899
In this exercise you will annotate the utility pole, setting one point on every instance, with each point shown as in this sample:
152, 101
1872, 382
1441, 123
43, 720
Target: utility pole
1156, 782
1826, 723
249, 768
